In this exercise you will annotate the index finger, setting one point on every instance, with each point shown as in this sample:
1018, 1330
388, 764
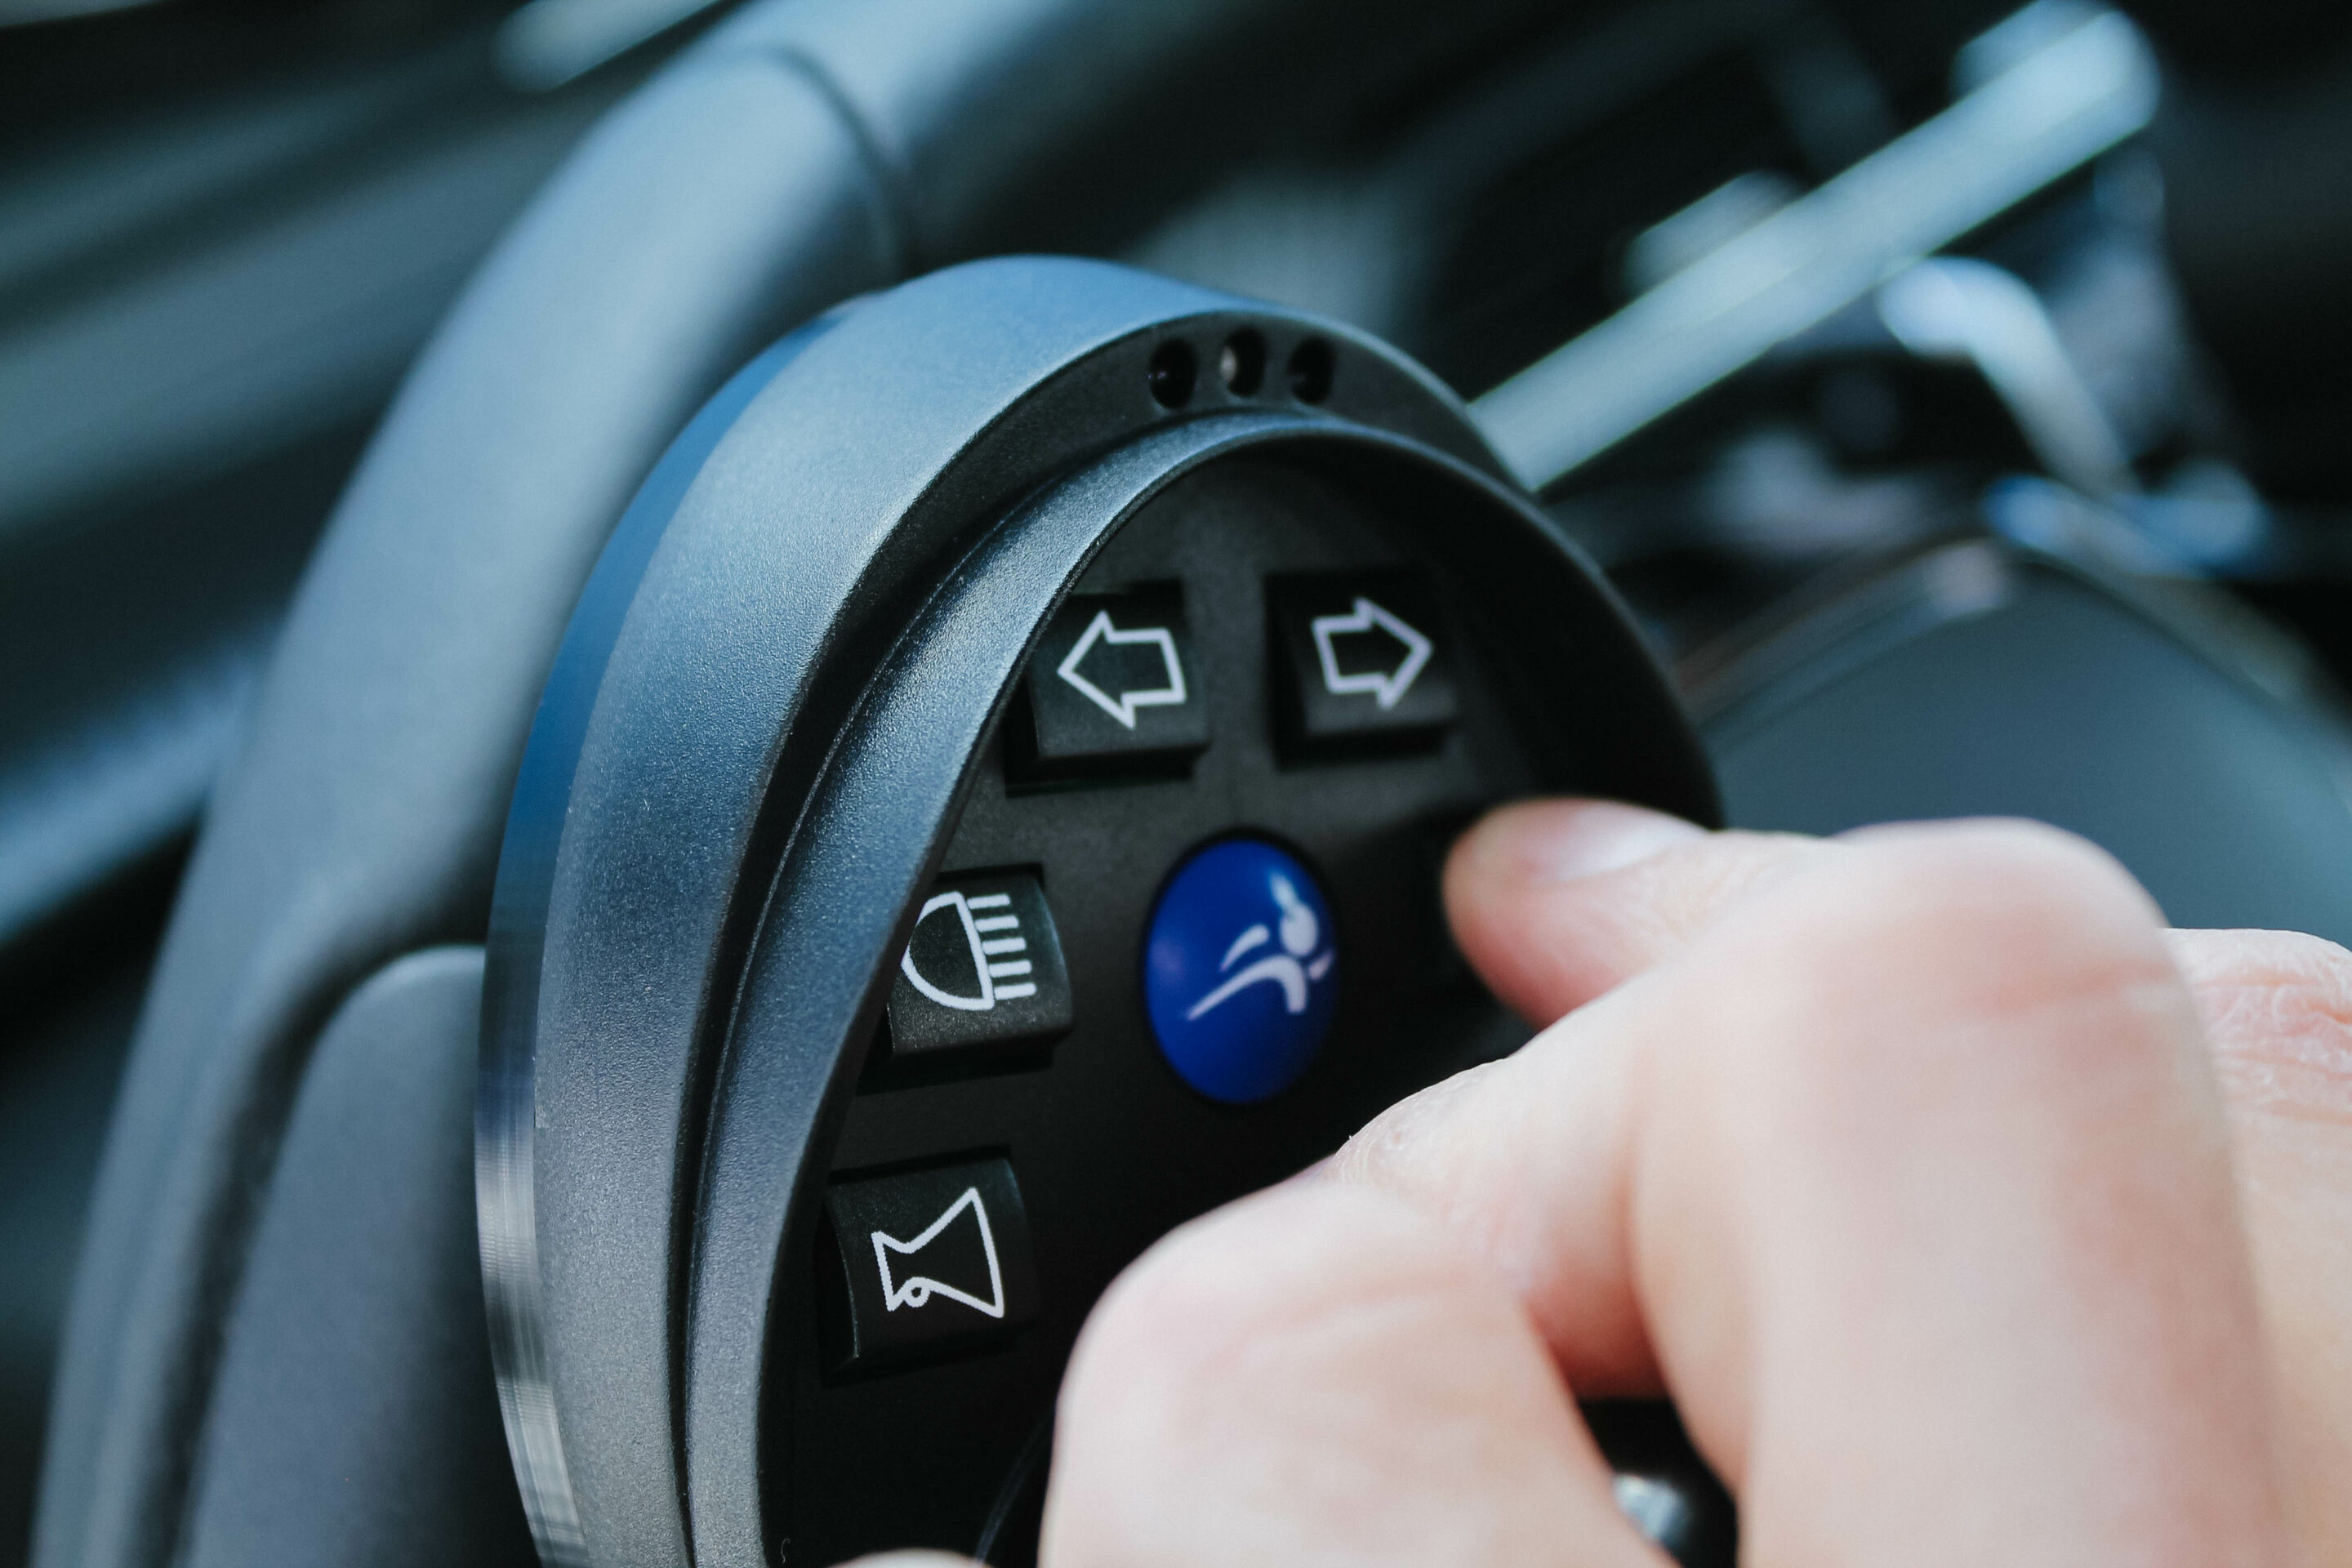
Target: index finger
1556, 901
1907, 1176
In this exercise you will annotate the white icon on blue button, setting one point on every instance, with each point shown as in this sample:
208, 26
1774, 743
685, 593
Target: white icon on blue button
1238, 973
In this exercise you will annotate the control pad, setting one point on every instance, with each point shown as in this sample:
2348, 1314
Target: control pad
1230, 761
1052, 781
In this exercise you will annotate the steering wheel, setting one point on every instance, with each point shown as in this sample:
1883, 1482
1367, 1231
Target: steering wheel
275, 1348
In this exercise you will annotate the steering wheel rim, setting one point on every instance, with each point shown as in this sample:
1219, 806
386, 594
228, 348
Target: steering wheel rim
806, 150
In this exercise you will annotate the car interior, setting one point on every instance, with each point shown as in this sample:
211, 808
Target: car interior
707, 699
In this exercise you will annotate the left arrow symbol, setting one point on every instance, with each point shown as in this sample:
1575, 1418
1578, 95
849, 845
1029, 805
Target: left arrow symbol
1123, 707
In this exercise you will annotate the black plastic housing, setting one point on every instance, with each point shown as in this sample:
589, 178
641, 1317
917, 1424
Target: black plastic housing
771, 707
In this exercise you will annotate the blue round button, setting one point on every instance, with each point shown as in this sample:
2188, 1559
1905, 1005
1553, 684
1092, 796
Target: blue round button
1239, 974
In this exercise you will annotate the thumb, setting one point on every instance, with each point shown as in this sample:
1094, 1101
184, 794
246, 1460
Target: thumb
1555, 901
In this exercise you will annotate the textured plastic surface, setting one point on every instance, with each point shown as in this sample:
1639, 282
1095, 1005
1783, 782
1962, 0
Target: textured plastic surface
696, 726
743, 788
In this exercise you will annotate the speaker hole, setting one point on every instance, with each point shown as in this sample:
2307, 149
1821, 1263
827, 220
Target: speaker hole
1171, 374
1242, 363
1310, 371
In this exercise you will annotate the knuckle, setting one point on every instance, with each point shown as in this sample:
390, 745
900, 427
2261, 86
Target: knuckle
2320, 976
1260, 1272
2277, 1007
2039, 901
1923, 955
1165, 1304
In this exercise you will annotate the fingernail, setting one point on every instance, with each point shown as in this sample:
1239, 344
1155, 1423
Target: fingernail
1561, 840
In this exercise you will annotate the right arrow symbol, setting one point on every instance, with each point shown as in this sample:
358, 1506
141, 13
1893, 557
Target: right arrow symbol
1385, 686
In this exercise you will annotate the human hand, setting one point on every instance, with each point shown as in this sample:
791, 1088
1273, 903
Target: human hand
1968, 1217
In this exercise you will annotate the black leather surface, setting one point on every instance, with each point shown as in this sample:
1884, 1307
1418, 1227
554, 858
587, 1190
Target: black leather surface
354, 1421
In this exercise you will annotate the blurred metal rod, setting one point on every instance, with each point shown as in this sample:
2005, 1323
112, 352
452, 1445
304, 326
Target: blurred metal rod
2033, 124
1957, 308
